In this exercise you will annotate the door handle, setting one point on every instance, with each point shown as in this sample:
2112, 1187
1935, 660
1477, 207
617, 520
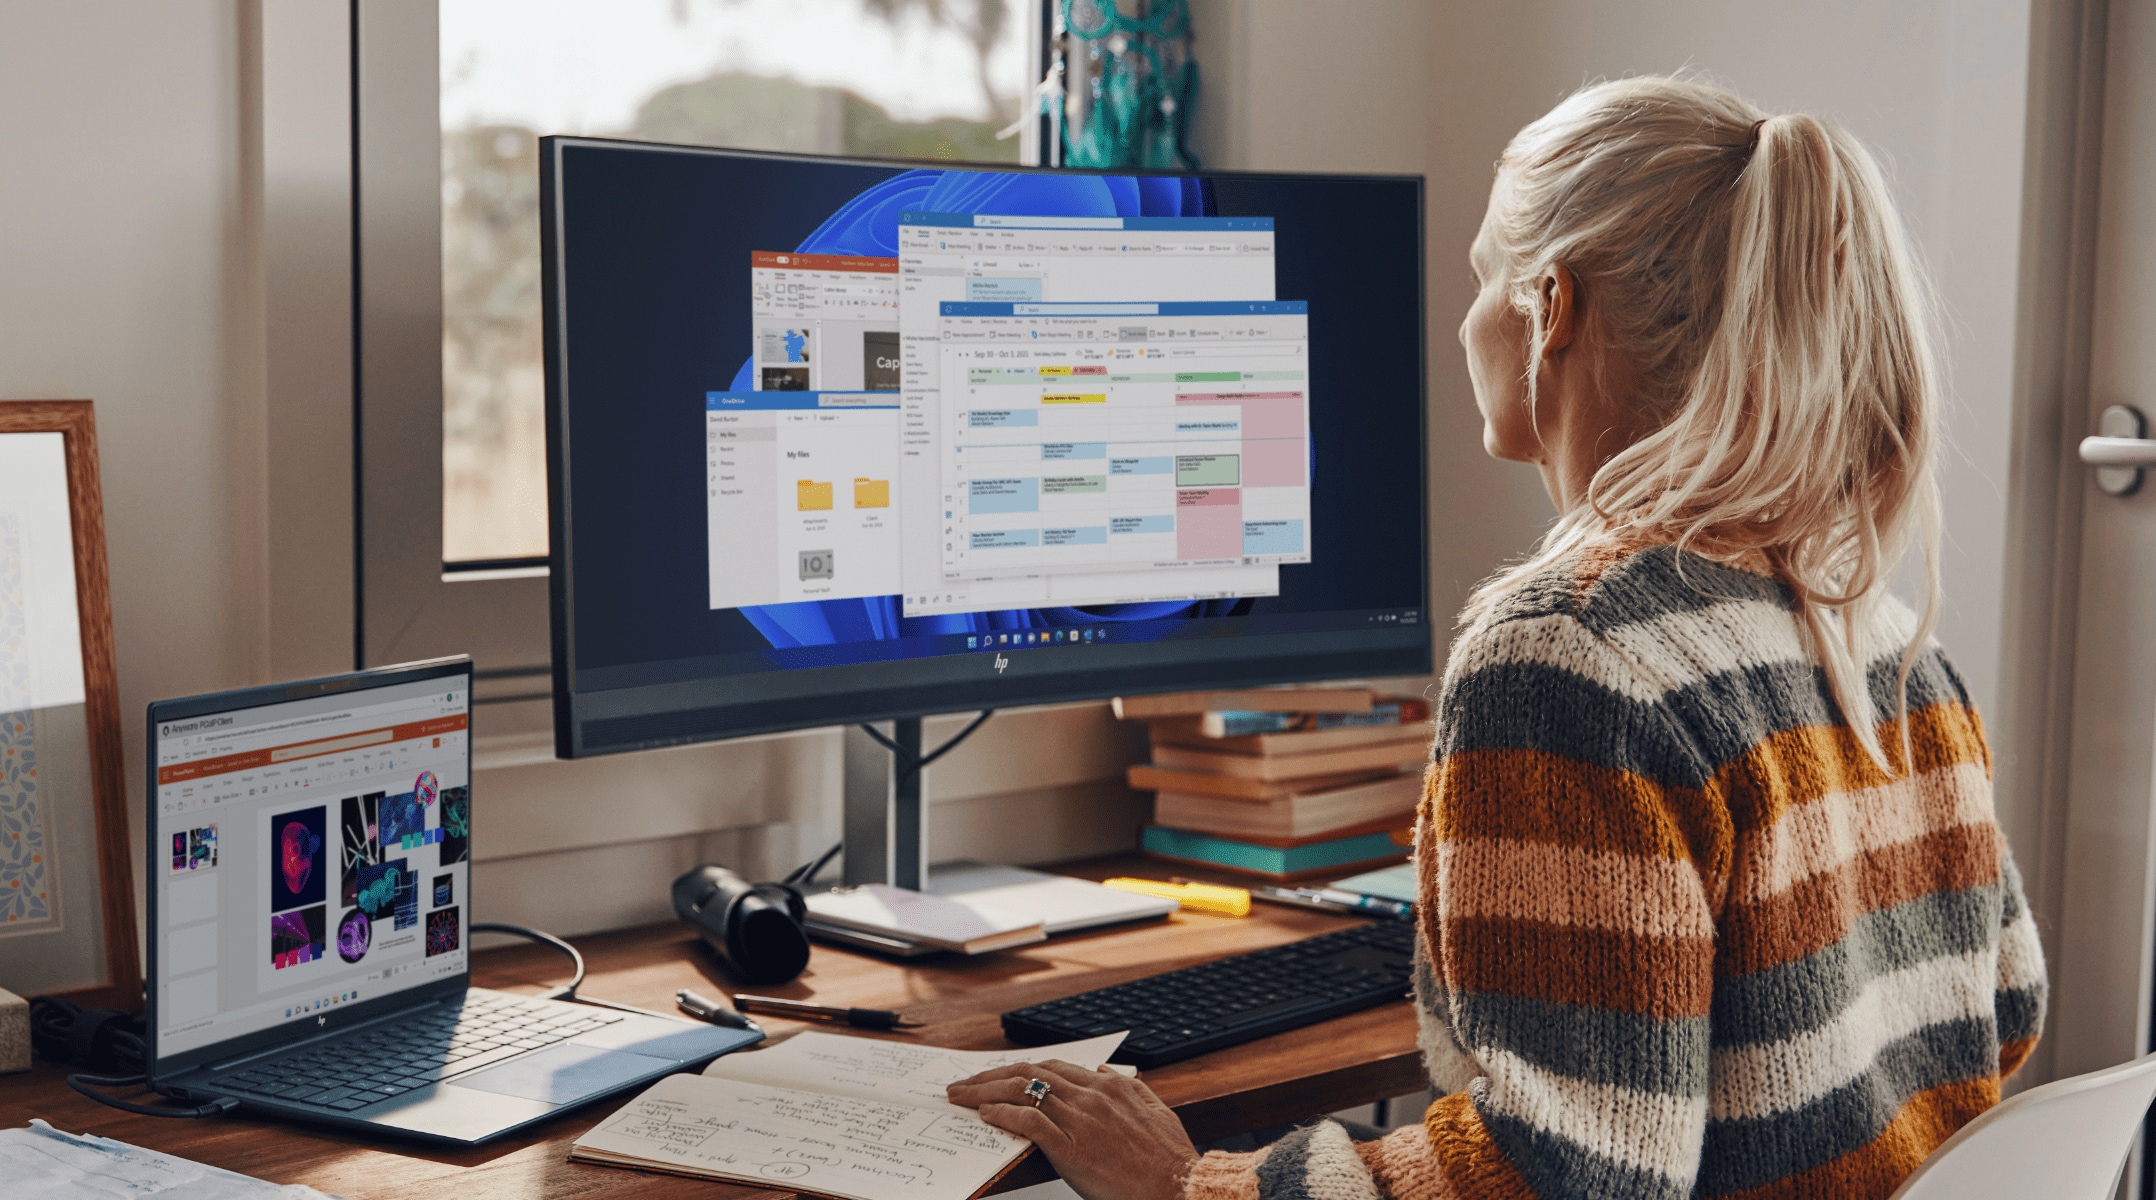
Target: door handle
2119, 450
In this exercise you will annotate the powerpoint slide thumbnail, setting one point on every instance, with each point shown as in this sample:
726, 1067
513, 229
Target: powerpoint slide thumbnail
194, 849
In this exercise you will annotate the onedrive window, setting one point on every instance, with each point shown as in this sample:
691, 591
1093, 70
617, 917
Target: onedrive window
799, 489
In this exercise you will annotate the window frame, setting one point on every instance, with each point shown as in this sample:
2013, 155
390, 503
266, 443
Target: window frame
409, 603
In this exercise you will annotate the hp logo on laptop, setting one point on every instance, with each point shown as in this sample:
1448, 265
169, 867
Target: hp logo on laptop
321, 1022
1001, 662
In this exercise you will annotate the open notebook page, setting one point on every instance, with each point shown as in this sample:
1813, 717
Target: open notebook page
855, 1118
880, 1069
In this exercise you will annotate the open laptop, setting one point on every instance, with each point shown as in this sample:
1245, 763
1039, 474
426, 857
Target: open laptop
310, 908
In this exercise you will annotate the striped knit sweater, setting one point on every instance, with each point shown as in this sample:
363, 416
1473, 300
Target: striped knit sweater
1680, 935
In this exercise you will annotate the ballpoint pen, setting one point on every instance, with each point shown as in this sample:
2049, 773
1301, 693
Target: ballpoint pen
803, 1010
718, 1012
1334, 900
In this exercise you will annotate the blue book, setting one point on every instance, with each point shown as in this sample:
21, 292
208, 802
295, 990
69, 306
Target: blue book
1259, 858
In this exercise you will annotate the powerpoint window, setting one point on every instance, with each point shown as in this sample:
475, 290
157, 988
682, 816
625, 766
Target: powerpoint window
977, 258
824, 322
1117, 437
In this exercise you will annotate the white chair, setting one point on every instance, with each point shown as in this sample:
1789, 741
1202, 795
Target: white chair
2062, 1141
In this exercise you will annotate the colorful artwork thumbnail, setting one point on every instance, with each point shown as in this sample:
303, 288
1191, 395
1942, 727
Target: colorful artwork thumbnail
456, 824
445, 890
354, 934
194, 850
298, 858
401, 817
359, 845
407, 905
443, 932
379, 884
296, 937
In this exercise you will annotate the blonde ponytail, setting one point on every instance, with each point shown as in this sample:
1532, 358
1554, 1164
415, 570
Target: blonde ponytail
1754, 276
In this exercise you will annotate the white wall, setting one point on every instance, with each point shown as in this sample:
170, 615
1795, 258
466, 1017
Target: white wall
126, 278
1936, 87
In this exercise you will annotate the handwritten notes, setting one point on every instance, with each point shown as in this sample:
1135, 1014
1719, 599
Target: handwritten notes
856, 1118
901, 1072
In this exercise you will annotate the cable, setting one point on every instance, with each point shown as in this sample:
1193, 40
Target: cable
567, 991
805, 874
82, 1083
919, 761
105, 1038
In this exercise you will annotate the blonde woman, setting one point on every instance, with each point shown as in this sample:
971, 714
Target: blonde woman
1713, 902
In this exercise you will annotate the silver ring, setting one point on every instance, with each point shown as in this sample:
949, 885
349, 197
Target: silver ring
1036, 1091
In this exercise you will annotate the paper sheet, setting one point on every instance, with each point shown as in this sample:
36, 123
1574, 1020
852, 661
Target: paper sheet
876, 1127
41, 1161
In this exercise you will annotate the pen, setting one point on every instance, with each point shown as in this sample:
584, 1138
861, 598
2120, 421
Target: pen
1297, 898
859, 1018
718, 1012
1376, 905
1333, 900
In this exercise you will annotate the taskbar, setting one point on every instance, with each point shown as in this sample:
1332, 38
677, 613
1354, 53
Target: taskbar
1069, 631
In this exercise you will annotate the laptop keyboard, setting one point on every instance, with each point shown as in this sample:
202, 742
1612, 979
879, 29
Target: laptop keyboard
388, 1059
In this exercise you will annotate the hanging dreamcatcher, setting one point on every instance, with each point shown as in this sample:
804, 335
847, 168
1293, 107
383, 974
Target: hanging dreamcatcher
1120, 85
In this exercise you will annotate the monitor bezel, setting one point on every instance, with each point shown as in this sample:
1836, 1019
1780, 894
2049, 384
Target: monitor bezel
870, 699
242, 1045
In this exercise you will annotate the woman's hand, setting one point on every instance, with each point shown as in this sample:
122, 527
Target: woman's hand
1107, 1135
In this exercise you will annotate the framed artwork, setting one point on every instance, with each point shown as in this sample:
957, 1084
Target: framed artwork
67, 895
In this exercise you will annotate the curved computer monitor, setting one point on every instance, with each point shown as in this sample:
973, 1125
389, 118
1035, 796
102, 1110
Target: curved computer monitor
835, 440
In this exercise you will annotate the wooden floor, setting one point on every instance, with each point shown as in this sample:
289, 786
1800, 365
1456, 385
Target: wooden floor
1346, 1062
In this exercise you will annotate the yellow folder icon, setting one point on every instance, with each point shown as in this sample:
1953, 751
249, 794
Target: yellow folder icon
871, 493
809, 495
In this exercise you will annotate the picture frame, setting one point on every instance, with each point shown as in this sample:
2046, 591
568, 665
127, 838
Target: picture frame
67, 894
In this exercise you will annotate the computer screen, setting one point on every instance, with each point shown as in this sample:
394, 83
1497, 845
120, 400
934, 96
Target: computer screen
835, 440
310, 858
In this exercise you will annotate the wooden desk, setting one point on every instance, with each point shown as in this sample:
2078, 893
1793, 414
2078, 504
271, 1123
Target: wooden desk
1342, 1063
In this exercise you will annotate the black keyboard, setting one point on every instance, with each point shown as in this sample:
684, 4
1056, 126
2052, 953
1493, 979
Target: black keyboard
1231, 1000
396, 1056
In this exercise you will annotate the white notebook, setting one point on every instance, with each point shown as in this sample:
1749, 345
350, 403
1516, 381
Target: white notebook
952, 922
851, 1118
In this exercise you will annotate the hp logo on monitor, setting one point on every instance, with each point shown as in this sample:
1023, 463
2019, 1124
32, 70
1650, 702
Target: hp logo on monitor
1001, 662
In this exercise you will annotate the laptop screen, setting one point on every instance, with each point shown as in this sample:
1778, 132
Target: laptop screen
310, 855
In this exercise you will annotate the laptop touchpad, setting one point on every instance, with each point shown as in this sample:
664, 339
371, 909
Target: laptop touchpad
563, 1074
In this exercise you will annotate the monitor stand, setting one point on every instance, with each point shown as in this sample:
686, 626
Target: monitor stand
885, 823
886, 836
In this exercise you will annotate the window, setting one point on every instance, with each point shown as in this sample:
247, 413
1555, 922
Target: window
897, 78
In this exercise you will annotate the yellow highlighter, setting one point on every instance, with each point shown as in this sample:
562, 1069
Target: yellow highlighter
1198, 897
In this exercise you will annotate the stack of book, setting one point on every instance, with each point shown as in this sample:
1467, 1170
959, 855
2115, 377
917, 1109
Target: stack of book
1284, 783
